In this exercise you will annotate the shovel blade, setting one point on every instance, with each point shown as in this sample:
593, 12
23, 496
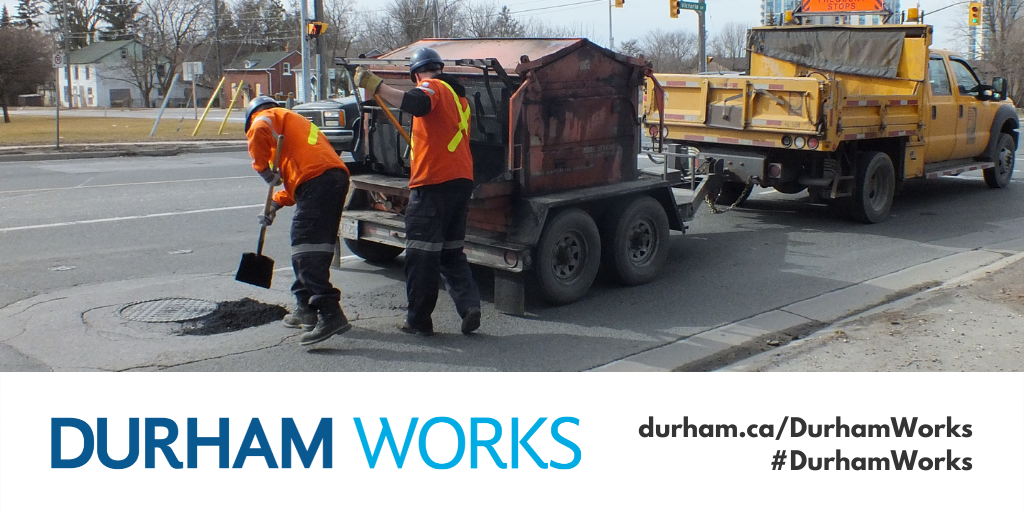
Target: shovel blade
257, 270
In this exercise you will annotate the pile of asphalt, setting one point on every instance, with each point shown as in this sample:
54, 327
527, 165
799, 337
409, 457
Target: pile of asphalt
235, 315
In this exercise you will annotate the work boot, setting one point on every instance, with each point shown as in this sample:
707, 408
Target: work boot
329, 324
303, 318
471, 321
408, 329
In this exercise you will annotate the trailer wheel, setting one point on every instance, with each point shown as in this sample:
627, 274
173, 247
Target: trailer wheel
568, 256
635, 241
999, 176
373, 252
876, 185
733, 193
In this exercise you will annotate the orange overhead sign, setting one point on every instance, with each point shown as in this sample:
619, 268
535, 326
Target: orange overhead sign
842, 5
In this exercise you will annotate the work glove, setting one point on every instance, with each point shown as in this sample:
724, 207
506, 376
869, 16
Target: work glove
267, 219
271, 176
367, 80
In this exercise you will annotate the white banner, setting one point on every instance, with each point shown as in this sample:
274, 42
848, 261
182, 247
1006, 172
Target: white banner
601, 441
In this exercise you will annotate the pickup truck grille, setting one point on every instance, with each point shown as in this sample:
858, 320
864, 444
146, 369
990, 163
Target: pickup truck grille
316, 118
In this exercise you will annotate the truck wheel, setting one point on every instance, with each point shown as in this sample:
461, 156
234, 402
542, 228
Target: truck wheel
999, 176
373, 252
568, 256
876, 185
733, 193
635, 241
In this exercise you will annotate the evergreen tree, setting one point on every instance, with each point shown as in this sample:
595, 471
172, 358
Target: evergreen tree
5, 18
29, 12
121, 17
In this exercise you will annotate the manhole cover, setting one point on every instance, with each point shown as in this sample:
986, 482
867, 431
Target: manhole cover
167, 310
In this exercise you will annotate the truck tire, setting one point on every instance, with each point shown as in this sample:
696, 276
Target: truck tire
373, 252
733, 193
635, 241
876, 186
999, 176
568, 256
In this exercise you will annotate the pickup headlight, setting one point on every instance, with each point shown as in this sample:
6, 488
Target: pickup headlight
334, 118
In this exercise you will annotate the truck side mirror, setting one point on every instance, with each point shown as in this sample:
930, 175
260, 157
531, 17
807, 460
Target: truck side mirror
999, 88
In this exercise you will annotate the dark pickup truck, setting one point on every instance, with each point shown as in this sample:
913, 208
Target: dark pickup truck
337, 118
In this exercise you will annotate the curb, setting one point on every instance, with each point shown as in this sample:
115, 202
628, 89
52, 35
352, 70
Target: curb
128, 150
738, 346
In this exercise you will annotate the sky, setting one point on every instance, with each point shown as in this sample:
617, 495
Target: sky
637, 17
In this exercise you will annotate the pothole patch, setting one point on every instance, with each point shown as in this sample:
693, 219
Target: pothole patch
230, 316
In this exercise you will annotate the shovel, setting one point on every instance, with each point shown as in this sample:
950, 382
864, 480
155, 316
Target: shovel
255, 268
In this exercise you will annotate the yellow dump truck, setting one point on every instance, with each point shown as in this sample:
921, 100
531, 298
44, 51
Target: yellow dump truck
845, 112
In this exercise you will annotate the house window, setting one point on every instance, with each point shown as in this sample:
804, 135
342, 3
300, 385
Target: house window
287, 68
87, 72
76, 72
124, 53
259, 89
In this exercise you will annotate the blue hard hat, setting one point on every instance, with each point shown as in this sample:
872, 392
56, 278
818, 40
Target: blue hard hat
256, 104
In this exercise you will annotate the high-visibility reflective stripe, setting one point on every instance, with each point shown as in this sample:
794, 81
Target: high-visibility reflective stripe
313, 132
304, 248
270, 123
453, 244
423, 246
463, 120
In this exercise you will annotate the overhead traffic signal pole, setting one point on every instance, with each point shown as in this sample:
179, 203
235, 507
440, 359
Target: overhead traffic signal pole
674, 7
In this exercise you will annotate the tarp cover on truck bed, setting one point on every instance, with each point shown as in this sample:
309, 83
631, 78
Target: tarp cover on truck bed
857, 52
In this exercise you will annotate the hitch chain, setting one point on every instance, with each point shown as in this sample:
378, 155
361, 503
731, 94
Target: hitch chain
739, 199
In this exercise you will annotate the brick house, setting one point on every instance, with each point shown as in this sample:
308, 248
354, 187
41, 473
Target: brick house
267, 73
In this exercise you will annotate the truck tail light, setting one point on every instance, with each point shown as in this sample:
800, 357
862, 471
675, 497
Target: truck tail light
774, 170
812, 143
787, 141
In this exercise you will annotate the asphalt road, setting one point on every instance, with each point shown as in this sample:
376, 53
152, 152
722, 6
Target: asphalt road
78, 222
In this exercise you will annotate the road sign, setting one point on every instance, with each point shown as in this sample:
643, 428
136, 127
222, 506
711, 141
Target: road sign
191, 70
693, 6
59, 60
826, 6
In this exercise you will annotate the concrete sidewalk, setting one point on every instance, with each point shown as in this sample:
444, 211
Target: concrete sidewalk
108, 150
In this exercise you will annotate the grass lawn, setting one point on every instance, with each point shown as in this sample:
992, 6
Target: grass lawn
24, 130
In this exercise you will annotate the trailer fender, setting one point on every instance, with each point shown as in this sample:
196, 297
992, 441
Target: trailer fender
668, 202
1006, 116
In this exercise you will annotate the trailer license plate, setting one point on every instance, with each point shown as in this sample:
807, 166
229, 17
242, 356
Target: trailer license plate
350, 229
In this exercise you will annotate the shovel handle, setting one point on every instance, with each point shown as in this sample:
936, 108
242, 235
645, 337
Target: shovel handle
391, 117
270, 195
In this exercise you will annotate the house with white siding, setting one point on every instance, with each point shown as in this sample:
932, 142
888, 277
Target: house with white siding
101, 77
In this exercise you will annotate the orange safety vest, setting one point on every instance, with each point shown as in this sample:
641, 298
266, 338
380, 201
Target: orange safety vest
305, 152
440, 139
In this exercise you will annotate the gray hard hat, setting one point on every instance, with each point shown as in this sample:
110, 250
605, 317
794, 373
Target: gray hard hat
421, 58
257, 103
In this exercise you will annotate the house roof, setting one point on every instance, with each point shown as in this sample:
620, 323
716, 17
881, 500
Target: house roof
96, 51
260, 60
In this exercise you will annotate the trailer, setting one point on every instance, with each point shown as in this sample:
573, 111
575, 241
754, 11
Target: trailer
555, 134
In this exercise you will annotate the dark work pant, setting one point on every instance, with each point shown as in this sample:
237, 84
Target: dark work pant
435, 223
318, 205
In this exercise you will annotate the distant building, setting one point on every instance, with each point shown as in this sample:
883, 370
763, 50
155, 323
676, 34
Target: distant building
100, 77
264, 73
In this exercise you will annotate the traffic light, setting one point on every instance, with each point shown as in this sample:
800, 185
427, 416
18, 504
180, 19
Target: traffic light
974, 14
315, 28
673, 8
620, 3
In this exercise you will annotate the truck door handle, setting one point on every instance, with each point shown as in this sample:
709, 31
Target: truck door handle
961, 111
934, 113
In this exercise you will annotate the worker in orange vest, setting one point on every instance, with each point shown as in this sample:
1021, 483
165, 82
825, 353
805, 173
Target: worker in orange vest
441, 183
315, 181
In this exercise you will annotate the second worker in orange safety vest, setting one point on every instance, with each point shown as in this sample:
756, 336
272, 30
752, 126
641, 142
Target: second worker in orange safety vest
440, 183
315, 181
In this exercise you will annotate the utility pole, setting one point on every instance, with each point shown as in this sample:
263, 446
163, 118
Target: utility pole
321, 84
67, 55
216, 36
702, 60
304, 48
437, 22
611, 40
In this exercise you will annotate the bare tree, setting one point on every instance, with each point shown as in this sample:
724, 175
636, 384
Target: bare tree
486, 19
1004, 43
172, 31
537, 28
406, 21
342, 33
138, 68
671, 52
731, 41
84, 20
24, 63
